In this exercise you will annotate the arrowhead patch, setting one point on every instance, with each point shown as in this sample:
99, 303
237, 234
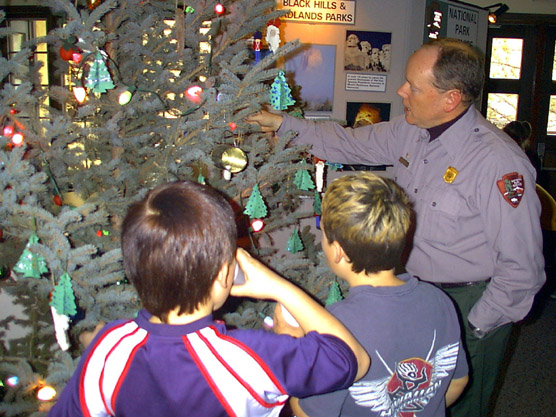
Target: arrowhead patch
512, 187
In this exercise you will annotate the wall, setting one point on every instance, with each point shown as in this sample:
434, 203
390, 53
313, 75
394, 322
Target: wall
402, 18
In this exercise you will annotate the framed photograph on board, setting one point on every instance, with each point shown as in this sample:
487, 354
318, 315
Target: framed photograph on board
367, 51
361, 114
310, 69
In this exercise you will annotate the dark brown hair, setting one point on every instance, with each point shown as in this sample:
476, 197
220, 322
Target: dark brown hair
519, 130
174, 243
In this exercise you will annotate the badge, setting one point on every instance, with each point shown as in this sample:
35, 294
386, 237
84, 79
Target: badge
512, 187
403, 161
450, 175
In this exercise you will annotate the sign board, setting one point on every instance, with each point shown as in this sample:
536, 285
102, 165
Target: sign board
448, 19
319, 11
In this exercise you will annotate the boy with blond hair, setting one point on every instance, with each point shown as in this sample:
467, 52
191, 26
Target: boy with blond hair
409, 328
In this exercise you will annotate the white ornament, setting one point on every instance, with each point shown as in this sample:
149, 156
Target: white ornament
272, 37
320, 175
61, 324
226, 173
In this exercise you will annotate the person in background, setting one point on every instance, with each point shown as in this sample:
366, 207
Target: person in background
520, 131
179, 251
409, 327
477, 233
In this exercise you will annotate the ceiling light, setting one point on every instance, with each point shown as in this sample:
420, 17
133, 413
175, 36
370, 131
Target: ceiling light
493, 16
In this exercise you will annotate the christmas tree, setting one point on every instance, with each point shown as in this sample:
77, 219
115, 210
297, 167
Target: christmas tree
163, 85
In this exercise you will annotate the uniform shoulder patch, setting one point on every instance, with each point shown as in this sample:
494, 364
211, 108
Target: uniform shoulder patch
512, 187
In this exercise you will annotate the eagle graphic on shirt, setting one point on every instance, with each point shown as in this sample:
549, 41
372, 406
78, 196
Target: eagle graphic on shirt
410, 386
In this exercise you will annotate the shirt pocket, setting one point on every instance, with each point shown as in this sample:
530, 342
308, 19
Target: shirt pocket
404, 177
440, 215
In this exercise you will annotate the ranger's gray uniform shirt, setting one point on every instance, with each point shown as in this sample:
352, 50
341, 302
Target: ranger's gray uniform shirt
476, 218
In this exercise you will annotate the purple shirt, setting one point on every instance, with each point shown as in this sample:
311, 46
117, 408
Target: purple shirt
473, 190
136, 368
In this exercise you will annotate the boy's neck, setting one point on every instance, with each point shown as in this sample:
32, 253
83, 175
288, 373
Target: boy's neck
376, 279
175, 319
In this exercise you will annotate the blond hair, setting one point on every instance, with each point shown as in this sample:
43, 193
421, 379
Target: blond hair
369, 216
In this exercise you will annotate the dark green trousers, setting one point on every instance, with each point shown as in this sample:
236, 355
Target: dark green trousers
484, 356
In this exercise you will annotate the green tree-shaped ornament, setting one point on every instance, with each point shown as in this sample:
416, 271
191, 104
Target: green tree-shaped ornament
303, 179
31, 265
334, 295
98, 79
63, 298
281, 93
294, 242
255, 207
317, 204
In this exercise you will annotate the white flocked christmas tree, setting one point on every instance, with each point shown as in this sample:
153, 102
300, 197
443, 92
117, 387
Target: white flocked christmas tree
189, 79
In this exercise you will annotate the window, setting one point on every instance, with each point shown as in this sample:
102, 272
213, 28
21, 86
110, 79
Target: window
29, 23
521, 78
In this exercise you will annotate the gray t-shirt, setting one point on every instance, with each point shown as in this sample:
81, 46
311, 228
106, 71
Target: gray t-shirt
412, 335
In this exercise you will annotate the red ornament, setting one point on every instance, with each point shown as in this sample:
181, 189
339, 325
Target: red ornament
219, 9
257, 225
68, 48
99, 233
233, 126
66, 52
57, 200
8, 131
13, 111
76, 57
193, 93
1, 234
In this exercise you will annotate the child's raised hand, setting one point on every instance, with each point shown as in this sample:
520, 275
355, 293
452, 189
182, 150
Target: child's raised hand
259, 279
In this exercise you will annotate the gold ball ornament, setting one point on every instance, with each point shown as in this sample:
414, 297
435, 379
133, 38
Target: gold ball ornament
229, 158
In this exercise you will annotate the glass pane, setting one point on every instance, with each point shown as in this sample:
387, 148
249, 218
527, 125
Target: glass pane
43, 72
40, 30
505, 61
502, 108
551, 128
16, 42
17, 39
554, 64
43, 112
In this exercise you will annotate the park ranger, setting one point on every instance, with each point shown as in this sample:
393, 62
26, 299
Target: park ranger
477, 233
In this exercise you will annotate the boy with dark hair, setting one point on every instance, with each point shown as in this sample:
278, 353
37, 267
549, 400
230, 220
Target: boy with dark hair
179, 250
409, 328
